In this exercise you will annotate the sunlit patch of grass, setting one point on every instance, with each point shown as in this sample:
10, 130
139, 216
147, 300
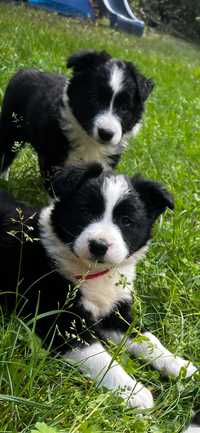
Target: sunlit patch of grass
36, 387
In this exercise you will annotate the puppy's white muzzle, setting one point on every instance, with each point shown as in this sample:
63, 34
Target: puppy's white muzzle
107, 128
101, 235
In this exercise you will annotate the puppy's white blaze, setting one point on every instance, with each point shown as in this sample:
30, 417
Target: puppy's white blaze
116, 78
114, 189
95, 362
110, 122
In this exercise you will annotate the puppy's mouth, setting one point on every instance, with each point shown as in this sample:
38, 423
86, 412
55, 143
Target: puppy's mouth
99, 261
95, 261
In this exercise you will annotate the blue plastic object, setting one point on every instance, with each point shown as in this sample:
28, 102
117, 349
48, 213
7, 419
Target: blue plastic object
73, 8
121, 16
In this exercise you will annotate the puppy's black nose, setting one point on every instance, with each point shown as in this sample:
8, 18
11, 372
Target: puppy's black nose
98, 248
105, 134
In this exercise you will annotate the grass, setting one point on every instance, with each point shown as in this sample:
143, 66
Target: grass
34, 386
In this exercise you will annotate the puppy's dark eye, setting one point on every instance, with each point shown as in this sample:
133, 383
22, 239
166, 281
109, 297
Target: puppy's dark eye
125, 221
122, 102
92, 206
90, 211
103, 95
124, 108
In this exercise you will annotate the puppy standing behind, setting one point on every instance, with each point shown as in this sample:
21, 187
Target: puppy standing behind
81, 269
86, 118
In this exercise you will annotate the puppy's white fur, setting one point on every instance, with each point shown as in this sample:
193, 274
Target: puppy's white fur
108, 120
150, 350
100, 295
116, 78
114, 189
99, 365
161, 359
85, 147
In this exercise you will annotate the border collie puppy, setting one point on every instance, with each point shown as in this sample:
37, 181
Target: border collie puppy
86, 118
80, 268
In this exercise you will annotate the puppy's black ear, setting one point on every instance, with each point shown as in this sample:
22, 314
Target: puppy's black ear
154, 196
87, 59
66, 181
145, 86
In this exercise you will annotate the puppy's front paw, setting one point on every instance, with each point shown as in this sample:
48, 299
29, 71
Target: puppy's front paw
139, 396
190, 368
174, 365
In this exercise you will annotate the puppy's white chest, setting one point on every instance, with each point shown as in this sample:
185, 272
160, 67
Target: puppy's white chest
101, 295
87, 150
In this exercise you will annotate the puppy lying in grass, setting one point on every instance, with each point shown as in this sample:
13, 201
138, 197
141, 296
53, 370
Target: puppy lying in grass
70, 267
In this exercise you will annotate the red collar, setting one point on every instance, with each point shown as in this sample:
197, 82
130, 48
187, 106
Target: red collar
91, 276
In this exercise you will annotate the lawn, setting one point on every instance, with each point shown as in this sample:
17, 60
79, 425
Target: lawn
35, 387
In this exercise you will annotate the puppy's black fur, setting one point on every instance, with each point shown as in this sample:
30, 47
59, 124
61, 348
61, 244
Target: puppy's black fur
36, 283
62, 119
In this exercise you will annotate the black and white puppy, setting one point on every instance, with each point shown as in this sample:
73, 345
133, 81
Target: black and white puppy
86, 118
76, 277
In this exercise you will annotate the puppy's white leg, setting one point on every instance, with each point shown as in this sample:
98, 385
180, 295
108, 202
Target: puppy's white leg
151, 350
94, 361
